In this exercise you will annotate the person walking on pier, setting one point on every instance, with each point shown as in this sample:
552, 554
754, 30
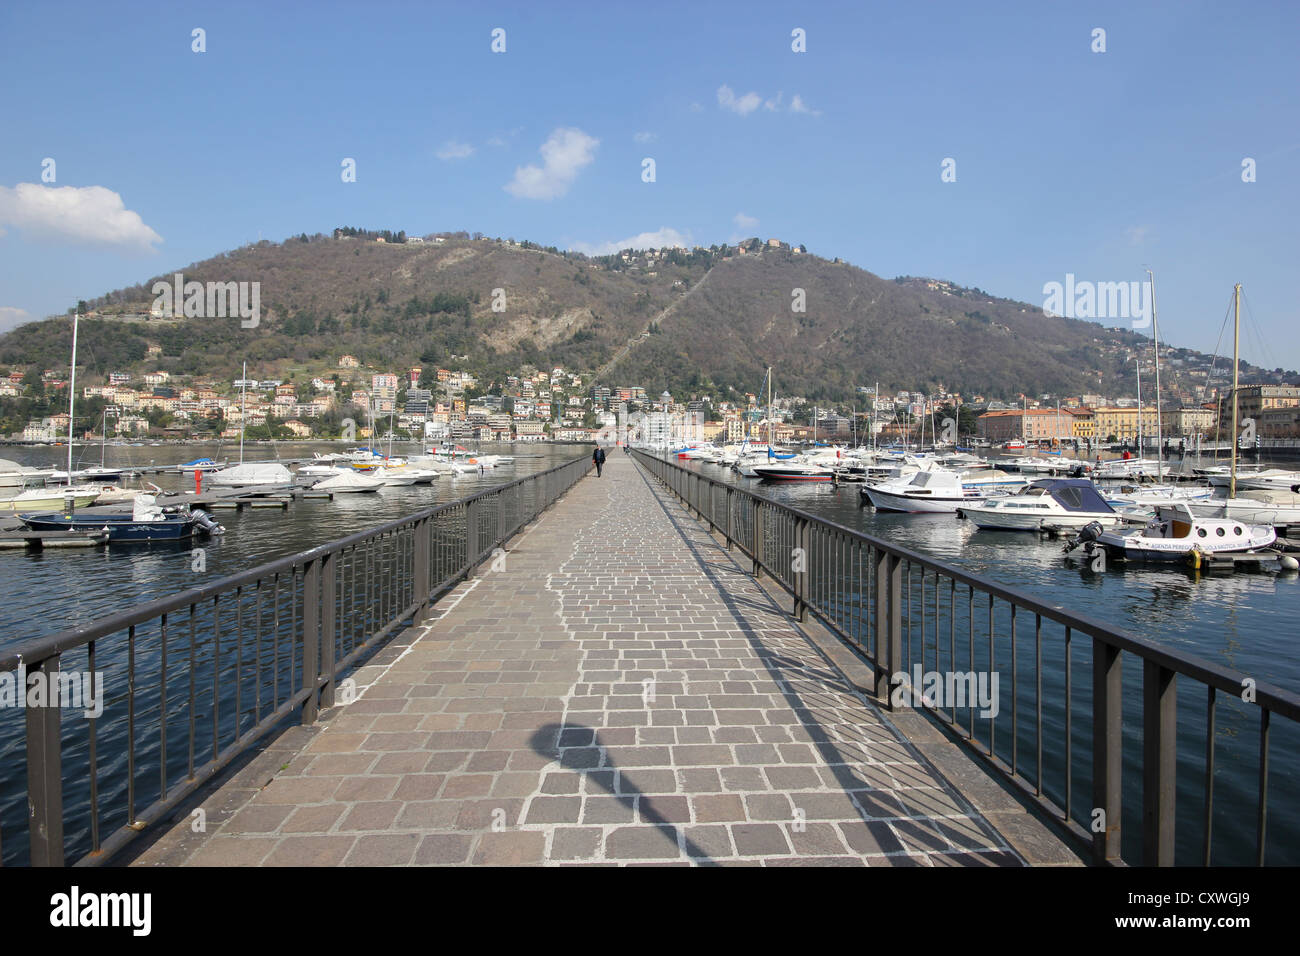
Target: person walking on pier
598, 459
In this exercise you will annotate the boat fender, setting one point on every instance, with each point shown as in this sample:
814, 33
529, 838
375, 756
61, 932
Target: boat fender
1288, 563
1194, 557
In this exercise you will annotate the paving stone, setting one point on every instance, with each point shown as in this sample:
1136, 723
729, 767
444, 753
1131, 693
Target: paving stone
510, 848
437, 849
642, 843
759, 839
575, 843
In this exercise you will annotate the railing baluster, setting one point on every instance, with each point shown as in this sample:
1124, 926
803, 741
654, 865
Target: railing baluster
44, 772
1107, 750
1159, 763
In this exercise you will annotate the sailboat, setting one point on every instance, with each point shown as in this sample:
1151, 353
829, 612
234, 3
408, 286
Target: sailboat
254, 474
1266, 499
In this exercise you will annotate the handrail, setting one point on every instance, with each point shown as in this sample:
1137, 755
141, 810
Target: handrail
242, 654
862, 588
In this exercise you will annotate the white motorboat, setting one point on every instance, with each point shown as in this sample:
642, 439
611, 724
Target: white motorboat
1271, 479
317, 471
1221, 475
1274, 508
251, 475
42, 499
394, 477
14, 475
1126, 468
1046, 503
114, 494
923, 492
349, 482
794, 470
1175, 533
992, 481
1138, 503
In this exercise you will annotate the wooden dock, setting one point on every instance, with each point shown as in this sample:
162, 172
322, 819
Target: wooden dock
21, 536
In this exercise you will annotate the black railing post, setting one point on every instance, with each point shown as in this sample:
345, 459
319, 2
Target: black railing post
889, 622
1107, 751
757, 549
328, 621
1159, 763
420, 570
44, 770
311, 639
471, 529
880, 623
727, 527
799, 566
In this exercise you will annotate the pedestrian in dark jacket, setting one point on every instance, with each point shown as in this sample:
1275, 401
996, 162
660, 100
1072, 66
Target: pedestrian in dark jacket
598, 458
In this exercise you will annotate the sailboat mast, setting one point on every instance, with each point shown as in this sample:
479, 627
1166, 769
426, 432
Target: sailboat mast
72, 391
1236, 345
1160, 431
769, 411
1138, 363
243, 415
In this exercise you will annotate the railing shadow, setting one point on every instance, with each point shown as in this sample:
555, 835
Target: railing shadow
548, 741
820, 684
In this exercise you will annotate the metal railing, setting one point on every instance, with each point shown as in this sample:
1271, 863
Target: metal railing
910, 616
194, 680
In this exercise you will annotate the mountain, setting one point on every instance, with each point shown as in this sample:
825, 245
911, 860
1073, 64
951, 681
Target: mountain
692, 321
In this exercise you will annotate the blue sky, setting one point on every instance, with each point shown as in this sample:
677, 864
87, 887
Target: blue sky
1067, 161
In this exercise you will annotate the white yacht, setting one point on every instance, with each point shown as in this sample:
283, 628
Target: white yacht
923, 492
1046, 503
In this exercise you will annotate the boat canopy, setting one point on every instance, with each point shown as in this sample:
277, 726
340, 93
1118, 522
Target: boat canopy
1074, 494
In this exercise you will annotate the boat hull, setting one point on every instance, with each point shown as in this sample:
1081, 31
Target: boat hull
914, 504
121, 528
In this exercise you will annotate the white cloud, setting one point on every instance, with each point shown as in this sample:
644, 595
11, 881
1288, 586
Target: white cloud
89, 214
12, 318
697, 108
496, 141
455, 150
744, 222
564, 154
743, 105
663, 238
797, 105
1136, 235
644, 137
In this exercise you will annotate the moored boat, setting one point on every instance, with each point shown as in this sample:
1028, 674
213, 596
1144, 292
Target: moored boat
1046, 503
1175, 533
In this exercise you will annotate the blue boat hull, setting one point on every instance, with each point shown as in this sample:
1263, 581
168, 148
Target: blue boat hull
120, 527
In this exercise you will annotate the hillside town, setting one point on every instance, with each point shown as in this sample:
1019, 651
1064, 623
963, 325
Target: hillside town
354, 400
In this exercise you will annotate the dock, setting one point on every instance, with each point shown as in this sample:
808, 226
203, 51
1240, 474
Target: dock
619, 689
15, 534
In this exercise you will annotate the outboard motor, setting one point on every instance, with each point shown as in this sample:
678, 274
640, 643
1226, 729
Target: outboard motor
1087, 535
204, 521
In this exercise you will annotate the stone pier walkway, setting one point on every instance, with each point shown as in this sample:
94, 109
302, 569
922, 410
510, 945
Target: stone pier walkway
616, 690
